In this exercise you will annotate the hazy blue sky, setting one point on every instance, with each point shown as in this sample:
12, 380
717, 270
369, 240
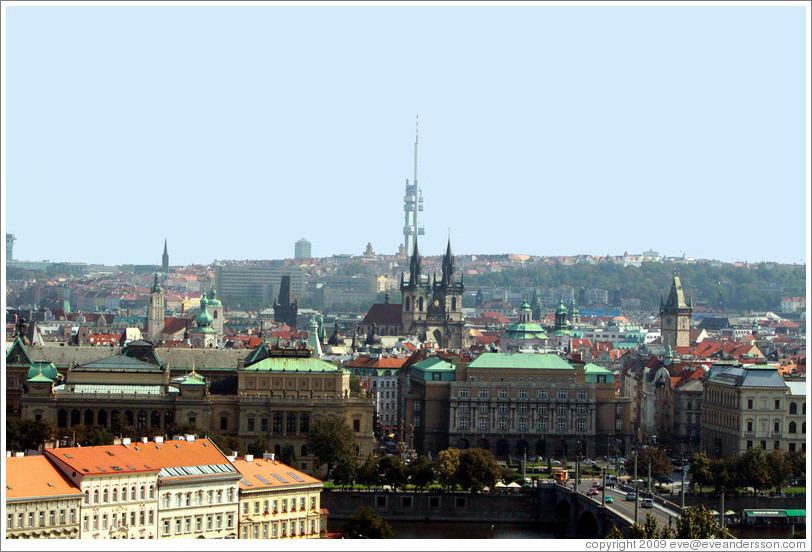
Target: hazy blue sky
235, 131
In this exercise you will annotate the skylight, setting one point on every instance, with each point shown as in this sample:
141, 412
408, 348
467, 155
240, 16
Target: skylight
280, 478
296, 477
263, 479
243, 480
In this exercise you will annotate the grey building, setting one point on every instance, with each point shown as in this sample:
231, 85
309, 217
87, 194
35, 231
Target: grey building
256, 280
302, 249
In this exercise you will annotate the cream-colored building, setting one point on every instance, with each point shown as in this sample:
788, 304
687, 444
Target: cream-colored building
40, 501
119, 490
751, 406
278, 502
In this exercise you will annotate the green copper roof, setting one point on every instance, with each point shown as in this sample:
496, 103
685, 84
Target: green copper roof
598, 370
546, 361
46, 369
17, 354
288, 364
525, 306
524, 330
118, 363
193, 379
40, 377
433, 364
561, 309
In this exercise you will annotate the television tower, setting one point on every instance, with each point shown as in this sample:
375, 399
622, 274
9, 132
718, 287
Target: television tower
412, 204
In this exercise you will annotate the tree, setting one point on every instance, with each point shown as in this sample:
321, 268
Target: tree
477, 469
345, 471
797, 463
23, 435
366, 524
660, 464
753, 470
700, 470
446, 466
778, 469
421, 472
368, 472
697, 523
615, 533
260, 447
636, 531
330, 439
228, 444
91, 436
287, 455
393, 471
650, 527
666, 532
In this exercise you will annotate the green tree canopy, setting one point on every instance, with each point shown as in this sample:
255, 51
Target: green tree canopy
22, 435
700, 470
477, 469
421, 472
446, 466
368, 472
393, 471
660, 464
330, 439
697, 523
366, 524
778, 469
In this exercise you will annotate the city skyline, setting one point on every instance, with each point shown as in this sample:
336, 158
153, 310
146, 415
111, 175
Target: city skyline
544, 130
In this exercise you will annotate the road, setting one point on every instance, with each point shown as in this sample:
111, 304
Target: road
663, 515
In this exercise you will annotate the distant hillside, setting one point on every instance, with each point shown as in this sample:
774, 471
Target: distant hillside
758, 287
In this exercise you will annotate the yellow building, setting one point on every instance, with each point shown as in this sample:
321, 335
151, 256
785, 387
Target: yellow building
120, 490
40, 501
277, 501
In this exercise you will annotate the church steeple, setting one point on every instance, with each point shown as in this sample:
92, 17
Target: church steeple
165, 259
414, 268
448, 266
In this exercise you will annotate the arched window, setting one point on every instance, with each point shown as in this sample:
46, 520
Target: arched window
105, 496
87, 497
420, 304
291, 423
128, 416
124, 494
793, 428
75, 417
102, 418
155, 419
454, 303
304, 450
132, 493
793, 408
89, 417
115, 494
62, 418
152, 491
231, 495
143, 493
142, 419
96, 496
304, 422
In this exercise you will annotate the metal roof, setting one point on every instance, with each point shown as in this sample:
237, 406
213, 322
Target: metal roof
546, 361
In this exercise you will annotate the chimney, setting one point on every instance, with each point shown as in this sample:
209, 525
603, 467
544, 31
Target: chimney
159, 439
267, 456
126, 441
117, 441
249, 457
190, 438
8, 454
145, 440
19, 454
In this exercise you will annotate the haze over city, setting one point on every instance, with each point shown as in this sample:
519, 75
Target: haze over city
546, 130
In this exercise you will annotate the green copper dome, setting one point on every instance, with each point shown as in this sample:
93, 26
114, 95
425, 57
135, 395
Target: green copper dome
213, 301
561, 309
525, 306
203, 318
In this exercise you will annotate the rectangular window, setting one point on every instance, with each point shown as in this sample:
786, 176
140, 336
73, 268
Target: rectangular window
10, 522
542, 393
484, 393
463, 422
85, 525
256, 507
73, 515
166, 527
199, 523
104, 521
463, 392
42, 519
522, 424
483, 423
274, 530
187, 525
178, 526
230, 521
562, 409
264, 530
312, 502
522, 393
62, 516
52, 517
251, 423
562, 394
245, 508
582, 394
209, 522
503, 393
96, 522
356, 425
777, 404
750, 404
263, 424
219, 520
245, 532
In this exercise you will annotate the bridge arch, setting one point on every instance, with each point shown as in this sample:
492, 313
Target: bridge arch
587, 525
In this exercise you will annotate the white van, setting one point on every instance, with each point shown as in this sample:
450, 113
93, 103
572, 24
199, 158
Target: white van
647, 503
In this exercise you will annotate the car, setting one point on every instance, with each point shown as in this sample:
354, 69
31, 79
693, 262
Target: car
621, 460
647, 503
588, 462
593, 492
631, 496
665, 479
555, 462
609, 500
596, 484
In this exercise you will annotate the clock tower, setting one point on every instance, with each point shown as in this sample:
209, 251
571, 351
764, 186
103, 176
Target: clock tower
675, 317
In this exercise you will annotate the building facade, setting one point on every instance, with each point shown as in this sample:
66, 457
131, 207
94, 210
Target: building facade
746, 406
675, 317
278, 502
41, 503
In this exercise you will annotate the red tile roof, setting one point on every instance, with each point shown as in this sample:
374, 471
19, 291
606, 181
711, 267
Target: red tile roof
35, 476
268, 469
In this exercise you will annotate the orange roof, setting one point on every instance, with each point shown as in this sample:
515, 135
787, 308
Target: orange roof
35, 476
269, 470
140, 457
